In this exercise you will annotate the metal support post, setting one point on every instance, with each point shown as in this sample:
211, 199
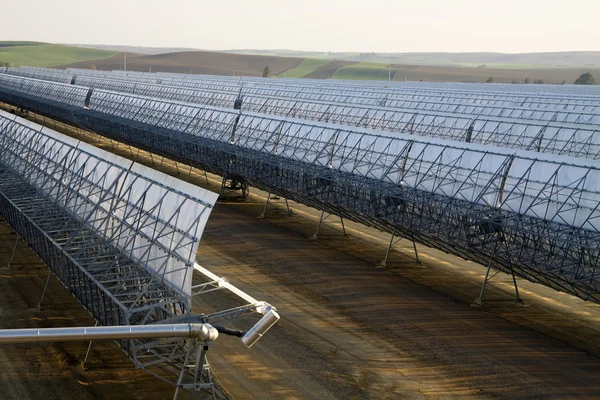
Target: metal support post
415, 248
516, 287
87, 353
387, 253
262, 216
13, 252
223, 183
479, 301
323, 218
178, 388
316, 235
200, 359
44, 292
287, 206
393, 243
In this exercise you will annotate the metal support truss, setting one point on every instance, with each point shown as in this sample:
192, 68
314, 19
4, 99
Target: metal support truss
452, 196
322, 219
287, 206
479, 300
87, 353
14, 251
393, 243
233, 186
39, 306
112, 235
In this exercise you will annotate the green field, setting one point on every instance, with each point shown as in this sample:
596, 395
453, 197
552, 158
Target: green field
364, 71
307, 66
48, 55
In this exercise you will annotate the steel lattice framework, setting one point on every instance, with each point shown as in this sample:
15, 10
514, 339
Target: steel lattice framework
121, 237
548, 137
526, 213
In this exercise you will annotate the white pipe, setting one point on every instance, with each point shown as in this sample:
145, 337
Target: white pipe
224, 284
260, 328
203, 332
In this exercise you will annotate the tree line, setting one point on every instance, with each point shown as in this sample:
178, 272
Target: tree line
584, 79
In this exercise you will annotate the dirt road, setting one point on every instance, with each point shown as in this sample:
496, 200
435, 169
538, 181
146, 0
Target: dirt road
350, 330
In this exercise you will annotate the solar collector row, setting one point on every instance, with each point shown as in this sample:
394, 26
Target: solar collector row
531, 213
577, 140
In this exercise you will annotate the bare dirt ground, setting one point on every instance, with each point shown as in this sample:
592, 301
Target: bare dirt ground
373, 333
351, 330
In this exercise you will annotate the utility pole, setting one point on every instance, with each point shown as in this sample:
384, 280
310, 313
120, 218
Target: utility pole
125, 61
390, 66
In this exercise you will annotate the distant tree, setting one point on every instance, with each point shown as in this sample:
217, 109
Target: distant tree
585, 79
539, 81
4, 64
526, 80
514, 82
266, 71
563, 82
490, 80
482, 66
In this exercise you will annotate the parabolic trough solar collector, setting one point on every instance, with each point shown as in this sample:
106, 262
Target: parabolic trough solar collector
526, 212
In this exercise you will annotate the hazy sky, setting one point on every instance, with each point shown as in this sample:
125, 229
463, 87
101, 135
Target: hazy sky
323, 25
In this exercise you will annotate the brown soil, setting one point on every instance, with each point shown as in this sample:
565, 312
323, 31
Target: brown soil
350, 330
198, 62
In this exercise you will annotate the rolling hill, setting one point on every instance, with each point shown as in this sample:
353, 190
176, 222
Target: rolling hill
236, 63
198, 62
203, 62
565, 59
39, 54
